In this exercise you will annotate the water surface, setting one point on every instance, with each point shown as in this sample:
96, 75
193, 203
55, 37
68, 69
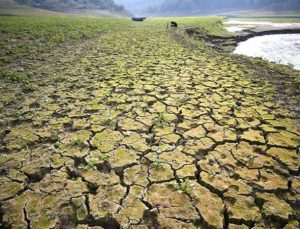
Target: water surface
282, 48
239, 26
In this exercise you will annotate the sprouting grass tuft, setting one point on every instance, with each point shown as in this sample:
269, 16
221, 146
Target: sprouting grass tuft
160, 120
29, 87
77, 142
14, 76
156, 164
107, 122
184, 186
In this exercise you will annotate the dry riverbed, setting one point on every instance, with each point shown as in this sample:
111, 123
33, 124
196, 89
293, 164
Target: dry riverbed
141, 129
244, 30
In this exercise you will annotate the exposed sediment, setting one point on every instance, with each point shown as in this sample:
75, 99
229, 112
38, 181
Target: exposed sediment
147, 135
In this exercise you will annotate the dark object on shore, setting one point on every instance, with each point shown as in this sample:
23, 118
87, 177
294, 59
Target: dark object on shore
174, 24
138, 18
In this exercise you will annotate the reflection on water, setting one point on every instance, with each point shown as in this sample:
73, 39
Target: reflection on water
283, 48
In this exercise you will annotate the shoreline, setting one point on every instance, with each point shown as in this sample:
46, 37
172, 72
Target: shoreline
229, 43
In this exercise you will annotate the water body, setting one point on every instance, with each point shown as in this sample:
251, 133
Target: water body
239, 26
282, 48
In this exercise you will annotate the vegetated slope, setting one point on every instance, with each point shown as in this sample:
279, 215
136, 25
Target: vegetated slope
74, 5
189, 7
7, 3
133, 129
12, 8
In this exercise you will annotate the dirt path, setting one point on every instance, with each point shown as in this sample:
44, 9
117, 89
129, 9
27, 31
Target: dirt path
133, 130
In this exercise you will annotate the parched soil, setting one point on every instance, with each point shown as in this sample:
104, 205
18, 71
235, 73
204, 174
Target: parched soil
135, 130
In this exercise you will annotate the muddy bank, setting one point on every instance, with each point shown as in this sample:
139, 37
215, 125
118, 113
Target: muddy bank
229, 43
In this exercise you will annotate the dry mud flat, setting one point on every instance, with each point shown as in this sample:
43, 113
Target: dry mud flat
132, 130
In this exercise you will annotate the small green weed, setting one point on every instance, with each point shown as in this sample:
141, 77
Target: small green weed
160, 120
14, 76
54, 137
77, 142
156, 164
180, 87
29, 87
184, 98
98, 160
107, 122
184, 186
104, 157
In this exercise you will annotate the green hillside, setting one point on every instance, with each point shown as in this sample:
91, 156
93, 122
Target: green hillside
89, 7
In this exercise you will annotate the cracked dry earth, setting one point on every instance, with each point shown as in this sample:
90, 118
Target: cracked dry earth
140, 132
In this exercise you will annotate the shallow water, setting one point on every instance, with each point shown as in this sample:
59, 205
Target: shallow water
282, 48
239, 26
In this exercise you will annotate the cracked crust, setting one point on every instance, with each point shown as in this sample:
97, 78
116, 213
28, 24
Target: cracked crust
148, 135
